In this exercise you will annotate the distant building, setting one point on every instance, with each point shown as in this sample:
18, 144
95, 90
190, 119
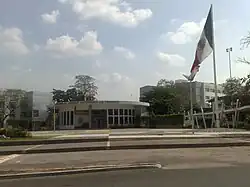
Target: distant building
99, 114
26, 106
41, 100
201, 91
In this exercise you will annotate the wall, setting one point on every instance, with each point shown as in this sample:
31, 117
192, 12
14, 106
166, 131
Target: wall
41, 100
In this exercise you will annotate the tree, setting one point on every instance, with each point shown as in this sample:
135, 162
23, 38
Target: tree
160, 100
85, 86
166, 98
59, 95
244, 42
232, 86
165, 83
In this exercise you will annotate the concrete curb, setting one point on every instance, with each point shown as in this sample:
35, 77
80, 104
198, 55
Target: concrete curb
81, 170
52, 141
105, 139
126, 147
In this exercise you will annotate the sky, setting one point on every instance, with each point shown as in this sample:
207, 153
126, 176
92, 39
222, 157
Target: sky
122, 44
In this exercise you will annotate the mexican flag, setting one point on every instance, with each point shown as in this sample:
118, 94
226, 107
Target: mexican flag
204, 47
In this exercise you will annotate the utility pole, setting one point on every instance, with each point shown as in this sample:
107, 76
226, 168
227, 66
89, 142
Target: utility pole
229, 50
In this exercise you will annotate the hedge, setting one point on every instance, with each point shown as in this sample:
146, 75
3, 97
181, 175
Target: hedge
167, 121
14, 133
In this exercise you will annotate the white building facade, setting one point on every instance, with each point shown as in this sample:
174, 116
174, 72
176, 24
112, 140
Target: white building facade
99, 114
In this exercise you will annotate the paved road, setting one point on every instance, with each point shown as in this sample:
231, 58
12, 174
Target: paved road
215, 177
117, 143
172, 159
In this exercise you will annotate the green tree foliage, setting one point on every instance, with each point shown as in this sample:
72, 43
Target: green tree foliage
233, 86
84, 89
85, 86
165, 98
237, 88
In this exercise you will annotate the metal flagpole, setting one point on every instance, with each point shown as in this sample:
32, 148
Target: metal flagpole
217, 122
191, 104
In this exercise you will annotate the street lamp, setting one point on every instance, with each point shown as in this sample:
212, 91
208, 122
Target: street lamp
229, 50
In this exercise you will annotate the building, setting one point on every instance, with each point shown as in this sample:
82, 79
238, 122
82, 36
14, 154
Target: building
201, 91
99, 114
25, 106
41, 101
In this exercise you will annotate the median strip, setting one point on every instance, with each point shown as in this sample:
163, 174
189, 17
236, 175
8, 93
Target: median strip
126, 147
115, 138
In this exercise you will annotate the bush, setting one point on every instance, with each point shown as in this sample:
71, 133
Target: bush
15, 133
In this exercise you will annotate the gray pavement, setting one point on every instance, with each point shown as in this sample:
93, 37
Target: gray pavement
117, 143
215, 177
169, 159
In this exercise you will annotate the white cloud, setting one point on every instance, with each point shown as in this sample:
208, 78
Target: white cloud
112, 78
69, 47
123, 87
189, 31
173, 21
115, 11
50, 18
125, 52
11, 40
171, 59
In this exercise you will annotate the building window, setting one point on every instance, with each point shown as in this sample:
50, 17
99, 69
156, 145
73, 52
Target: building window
64, 118
126, 112
130, 120
116, 121
207, 89
111, 120
126, 120
72, 118
207, 97
134, 112
116, 112
130, 112
121, 112
67, 118
36, 113
121, 120
110, 111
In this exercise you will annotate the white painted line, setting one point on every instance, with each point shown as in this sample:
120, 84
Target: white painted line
36, 146
7, 158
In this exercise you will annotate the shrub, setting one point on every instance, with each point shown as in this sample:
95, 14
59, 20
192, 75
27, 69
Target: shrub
2, 131
15, 133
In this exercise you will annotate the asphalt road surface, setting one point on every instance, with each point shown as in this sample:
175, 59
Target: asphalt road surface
117, 143
170, 158
205, 177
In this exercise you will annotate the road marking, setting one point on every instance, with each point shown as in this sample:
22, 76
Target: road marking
7, 158
36, 146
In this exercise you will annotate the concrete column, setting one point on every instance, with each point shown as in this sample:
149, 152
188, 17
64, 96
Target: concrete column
90, 116
63, 122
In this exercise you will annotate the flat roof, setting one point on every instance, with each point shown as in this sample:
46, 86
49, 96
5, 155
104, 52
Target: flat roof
106, 102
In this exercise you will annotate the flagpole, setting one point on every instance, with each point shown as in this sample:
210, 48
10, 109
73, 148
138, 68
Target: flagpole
217, 122
191, 104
